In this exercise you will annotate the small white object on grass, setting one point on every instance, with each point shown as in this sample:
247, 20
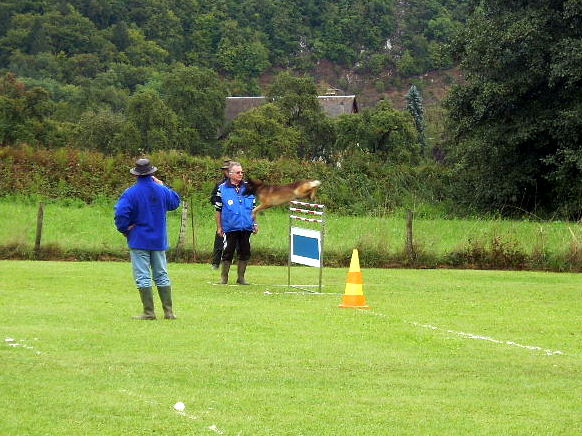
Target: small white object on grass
179, 406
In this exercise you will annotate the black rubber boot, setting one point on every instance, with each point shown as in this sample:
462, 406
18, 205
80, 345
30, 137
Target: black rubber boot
224, 272
147, 299
165, 293
242, 267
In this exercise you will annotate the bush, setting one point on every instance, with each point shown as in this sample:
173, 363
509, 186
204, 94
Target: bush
361, 186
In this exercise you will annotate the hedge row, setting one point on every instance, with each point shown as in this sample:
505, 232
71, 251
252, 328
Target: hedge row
359, 185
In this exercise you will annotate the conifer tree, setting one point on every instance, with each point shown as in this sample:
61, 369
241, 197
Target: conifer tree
414, 106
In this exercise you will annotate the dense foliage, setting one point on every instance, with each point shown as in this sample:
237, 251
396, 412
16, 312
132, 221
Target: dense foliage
122, 78
352, 188
517, 120
143, 75
76, 40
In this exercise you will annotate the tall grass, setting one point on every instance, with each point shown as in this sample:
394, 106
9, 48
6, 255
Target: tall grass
75, 230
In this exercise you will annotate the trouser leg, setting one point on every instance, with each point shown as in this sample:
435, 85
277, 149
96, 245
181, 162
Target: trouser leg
217, 251
140, 264
244, 254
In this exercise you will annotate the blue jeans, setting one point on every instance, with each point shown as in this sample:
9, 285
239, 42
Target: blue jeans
144, 260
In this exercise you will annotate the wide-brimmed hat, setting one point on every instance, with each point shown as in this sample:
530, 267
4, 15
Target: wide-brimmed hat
143, 167
225, 165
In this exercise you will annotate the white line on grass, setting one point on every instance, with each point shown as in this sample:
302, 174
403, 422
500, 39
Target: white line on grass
304, 292
215, 429
489, 339
178, 412
212, 427
222, 284
11, 342
474, 336
268, 292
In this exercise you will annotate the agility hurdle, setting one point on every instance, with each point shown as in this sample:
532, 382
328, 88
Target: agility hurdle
306, 245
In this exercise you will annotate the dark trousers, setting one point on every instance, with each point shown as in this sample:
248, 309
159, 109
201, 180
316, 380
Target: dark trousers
239, 241
217, 253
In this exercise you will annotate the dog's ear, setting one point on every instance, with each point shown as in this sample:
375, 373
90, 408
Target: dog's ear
251, 185
255, 182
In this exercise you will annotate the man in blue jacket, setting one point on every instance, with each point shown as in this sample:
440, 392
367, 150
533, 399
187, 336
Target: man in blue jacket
234, 222
140, 215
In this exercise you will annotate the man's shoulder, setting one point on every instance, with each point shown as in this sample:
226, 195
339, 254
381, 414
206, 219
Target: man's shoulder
130, 189
225, 184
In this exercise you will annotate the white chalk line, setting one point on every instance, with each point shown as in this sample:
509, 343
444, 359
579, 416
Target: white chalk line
187, 415
302, 292
222, 284
548, 352
11, 342
268, 292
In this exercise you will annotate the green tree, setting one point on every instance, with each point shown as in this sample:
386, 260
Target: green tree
152, 124
242, 58
120, 36
516, 119
23, 112
197, 96
392, 133
352, 134
101, 131
414, 106
144, 52
201, 43
36, 41
381, 131
262, 133
297, 99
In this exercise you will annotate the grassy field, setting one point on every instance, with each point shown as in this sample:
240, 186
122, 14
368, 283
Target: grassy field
85, 232
440, 352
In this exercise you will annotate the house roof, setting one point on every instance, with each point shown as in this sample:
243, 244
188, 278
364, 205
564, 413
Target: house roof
332, 105
237, 105
336, 105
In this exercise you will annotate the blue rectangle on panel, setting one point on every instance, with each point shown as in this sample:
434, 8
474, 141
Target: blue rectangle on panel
306, 247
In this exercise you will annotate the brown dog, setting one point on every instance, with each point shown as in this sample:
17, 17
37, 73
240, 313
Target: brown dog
275, 195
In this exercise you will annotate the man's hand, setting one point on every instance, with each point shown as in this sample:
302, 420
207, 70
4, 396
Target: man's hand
158, 181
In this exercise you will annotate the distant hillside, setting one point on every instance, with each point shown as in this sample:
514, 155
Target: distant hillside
370, 90
143, 74
74, 41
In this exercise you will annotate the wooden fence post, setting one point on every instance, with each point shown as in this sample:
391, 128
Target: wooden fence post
409, 237
182, 234
39, 224
194, 257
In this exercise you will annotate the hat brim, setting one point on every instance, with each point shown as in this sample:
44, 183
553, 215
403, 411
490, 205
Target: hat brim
136, 173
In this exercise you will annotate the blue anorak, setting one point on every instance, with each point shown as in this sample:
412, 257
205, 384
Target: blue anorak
144, 206
235, 207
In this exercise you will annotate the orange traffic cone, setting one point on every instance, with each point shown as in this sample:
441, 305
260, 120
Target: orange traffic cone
354, 293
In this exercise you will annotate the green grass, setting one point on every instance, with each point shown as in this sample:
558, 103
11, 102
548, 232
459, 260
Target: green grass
255, 360
86, 232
